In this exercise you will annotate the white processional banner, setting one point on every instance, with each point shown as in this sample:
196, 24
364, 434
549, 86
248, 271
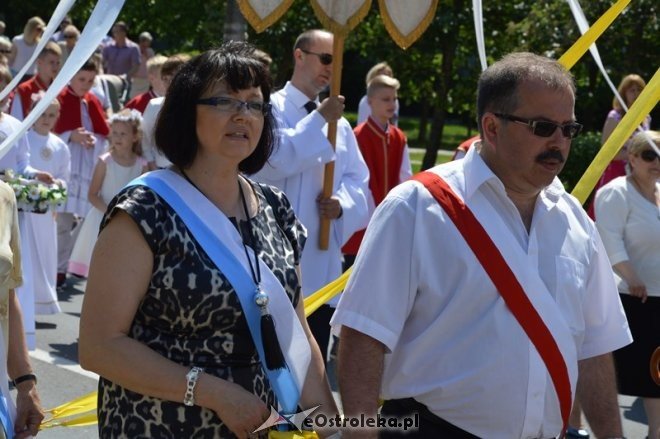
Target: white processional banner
478, 14
58, 15
340, 16
407, 21
263, 13
103, 16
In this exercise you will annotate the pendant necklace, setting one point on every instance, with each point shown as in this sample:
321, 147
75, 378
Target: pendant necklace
274, 357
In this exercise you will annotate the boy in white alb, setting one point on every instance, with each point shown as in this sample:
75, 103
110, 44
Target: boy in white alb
48, 153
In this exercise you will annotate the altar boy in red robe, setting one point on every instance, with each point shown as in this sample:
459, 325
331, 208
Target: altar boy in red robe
48, 65
384, 148
83, 127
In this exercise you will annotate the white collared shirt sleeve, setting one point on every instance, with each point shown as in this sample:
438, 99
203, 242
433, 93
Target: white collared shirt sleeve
17, 107
353, 191
612, 211
364, 110
64, 163
606, 326
406, 167
383, 272
299, 147
148, 124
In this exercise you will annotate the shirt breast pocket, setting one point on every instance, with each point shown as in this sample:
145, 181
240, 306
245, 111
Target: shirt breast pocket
569, 294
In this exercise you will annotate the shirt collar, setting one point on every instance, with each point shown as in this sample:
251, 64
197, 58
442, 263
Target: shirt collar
376, 126
297, 97
477, 173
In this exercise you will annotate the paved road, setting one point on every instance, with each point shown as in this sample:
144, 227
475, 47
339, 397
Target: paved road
61, 379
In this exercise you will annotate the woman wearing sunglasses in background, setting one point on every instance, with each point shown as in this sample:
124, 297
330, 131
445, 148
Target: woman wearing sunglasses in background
628, 219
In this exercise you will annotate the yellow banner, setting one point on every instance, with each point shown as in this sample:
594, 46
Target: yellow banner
642, 106
80, 411
318, 298
581, 46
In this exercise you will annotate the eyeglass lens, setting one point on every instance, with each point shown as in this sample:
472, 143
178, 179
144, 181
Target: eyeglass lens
648, 155
235, 105
546, 129
325, 58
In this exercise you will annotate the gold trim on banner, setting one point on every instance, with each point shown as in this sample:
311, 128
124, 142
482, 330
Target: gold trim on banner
260, 24
405, 41
336, 28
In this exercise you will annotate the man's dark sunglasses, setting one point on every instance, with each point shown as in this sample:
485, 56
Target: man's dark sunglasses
544, 128
648, 155
325, 58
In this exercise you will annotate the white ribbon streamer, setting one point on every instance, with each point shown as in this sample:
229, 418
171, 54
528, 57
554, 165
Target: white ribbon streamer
103, 16
478, 14
583, 25
60, 12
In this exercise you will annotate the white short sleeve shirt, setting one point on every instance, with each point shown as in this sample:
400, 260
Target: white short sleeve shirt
453, 343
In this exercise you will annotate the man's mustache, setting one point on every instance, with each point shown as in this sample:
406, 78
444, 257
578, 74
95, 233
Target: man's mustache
553, 154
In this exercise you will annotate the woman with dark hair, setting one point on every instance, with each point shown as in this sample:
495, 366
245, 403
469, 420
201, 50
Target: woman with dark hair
193, 315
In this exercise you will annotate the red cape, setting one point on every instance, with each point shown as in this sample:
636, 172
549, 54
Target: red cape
70, 113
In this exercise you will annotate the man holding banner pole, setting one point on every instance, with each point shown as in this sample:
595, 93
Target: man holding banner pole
297, 165
482, 290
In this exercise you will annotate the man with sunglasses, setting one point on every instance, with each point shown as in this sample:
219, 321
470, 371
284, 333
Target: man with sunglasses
297, 166
482, 290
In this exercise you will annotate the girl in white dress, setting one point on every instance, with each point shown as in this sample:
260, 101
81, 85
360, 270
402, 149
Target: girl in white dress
48, 153
113, 171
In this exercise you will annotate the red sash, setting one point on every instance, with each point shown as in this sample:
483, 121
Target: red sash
506, 283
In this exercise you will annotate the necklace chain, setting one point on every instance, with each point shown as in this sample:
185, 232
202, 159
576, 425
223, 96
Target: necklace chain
254, 271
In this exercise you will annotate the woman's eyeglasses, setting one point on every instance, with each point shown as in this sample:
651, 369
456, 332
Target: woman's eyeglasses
325, 58
544, 128
648, 155
68, 37
231, 105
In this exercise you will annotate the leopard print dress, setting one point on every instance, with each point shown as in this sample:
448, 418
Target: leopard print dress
191, 314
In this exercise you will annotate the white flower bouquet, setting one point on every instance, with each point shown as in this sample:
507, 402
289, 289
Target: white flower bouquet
32, 195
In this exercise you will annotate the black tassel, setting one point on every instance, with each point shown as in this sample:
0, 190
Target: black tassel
272, 350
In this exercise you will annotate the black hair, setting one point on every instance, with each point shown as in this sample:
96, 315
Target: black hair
233, 63
497, 90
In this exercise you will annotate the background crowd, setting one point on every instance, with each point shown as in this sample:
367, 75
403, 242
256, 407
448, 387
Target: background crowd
102, 131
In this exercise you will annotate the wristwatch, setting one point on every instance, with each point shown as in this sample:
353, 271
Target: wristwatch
191, 380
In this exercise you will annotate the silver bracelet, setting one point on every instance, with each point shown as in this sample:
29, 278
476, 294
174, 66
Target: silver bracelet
191, 377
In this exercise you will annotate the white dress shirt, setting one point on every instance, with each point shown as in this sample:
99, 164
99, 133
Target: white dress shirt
149, 149
17, 157
297, 167
629, 225
453, 344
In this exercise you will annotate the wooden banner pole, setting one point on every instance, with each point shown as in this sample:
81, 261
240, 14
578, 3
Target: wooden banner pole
329, 174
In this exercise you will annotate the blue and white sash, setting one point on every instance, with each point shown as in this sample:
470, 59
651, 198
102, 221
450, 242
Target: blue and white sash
5, 418
224, 245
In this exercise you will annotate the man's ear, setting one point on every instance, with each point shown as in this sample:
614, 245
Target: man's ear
297, 55
491, 128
